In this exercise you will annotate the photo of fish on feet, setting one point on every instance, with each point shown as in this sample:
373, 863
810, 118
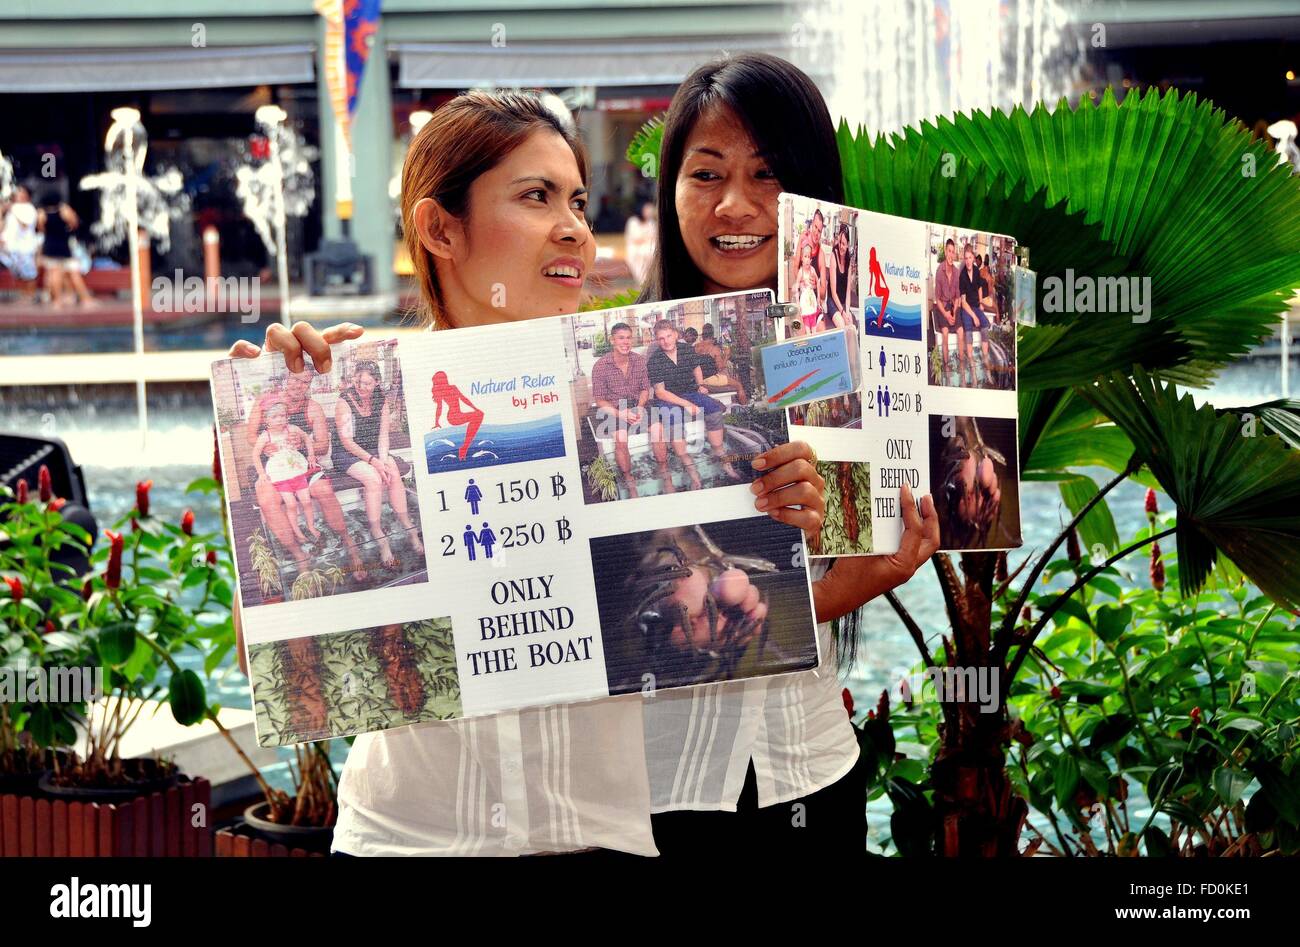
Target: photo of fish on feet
714, 601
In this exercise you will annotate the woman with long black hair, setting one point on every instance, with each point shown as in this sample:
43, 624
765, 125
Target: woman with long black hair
721, 757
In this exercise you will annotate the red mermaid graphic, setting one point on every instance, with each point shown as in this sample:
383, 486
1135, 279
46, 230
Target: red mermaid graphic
876, 287
445, 393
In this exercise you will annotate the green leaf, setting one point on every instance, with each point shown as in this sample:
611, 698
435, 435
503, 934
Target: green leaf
1065, 780
1230, 784
1112, 621
1237, 495
116, 642
186, 696
1098, 527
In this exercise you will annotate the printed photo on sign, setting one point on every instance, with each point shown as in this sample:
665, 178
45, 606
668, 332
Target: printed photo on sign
712, 602
846, 530
972, 327
323, 686
669, 396
318, 475
820, 272
974, 480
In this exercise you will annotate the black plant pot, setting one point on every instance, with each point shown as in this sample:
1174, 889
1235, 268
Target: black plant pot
313, 838
143, 779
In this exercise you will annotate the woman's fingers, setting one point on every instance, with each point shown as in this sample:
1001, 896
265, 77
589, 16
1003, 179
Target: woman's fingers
794, 471
783, 454
314, 345
244, 349
280, 339
343, 332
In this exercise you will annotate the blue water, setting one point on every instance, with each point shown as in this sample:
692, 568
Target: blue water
495, 444
901, 322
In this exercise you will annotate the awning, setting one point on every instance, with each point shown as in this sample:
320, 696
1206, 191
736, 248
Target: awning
123, 70
570, 63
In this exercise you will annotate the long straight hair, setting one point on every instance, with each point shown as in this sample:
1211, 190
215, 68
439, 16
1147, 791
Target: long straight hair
787, 118
466, 138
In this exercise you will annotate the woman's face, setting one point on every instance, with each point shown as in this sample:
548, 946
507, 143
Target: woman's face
726, 205
523, 248
365, 382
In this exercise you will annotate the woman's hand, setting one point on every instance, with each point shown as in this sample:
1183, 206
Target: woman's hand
790, 478
855, 580
302, 340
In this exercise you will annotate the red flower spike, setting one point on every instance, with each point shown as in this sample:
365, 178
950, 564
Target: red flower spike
56, 504
46, 489
113, 572
1157, 569
15, 587
871, 715
142, 496
1056, 692
187, 522
1196, 715
212, 557
848, 701
22, 491
87, 590
1151, 502
49, 628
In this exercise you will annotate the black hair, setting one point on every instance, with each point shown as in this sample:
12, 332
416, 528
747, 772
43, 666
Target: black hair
788, 120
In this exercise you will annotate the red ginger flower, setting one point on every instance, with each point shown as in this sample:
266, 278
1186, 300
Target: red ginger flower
187, 522
22, 491
87, 590
848, 701
15, 586
113, 573
212, 557
1196, 715
56, 504
1151, 502
142, 496
1157, 569
49, 628
47, 490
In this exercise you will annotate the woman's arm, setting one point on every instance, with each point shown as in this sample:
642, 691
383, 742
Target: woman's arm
343, 423
260, 446
855, 580
382, 444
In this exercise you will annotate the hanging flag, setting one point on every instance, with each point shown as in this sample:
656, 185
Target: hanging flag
360, 23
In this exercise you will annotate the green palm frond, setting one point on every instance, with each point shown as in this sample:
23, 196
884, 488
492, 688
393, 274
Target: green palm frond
1280, 417
1161, 186
1236, 493
643, 149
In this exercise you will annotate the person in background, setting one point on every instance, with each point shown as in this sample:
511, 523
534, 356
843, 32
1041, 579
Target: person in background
714, 364
57, 221
945, 314
20, 241
639, 241
620, 386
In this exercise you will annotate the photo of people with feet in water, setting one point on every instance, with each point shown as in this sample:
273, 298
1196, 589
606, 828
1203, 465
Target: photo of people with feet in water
670, 396
318, 471
972, 328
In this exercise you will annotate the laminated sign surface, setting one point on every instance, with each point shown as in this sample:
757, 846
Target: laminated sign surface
463, 522
929, 314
